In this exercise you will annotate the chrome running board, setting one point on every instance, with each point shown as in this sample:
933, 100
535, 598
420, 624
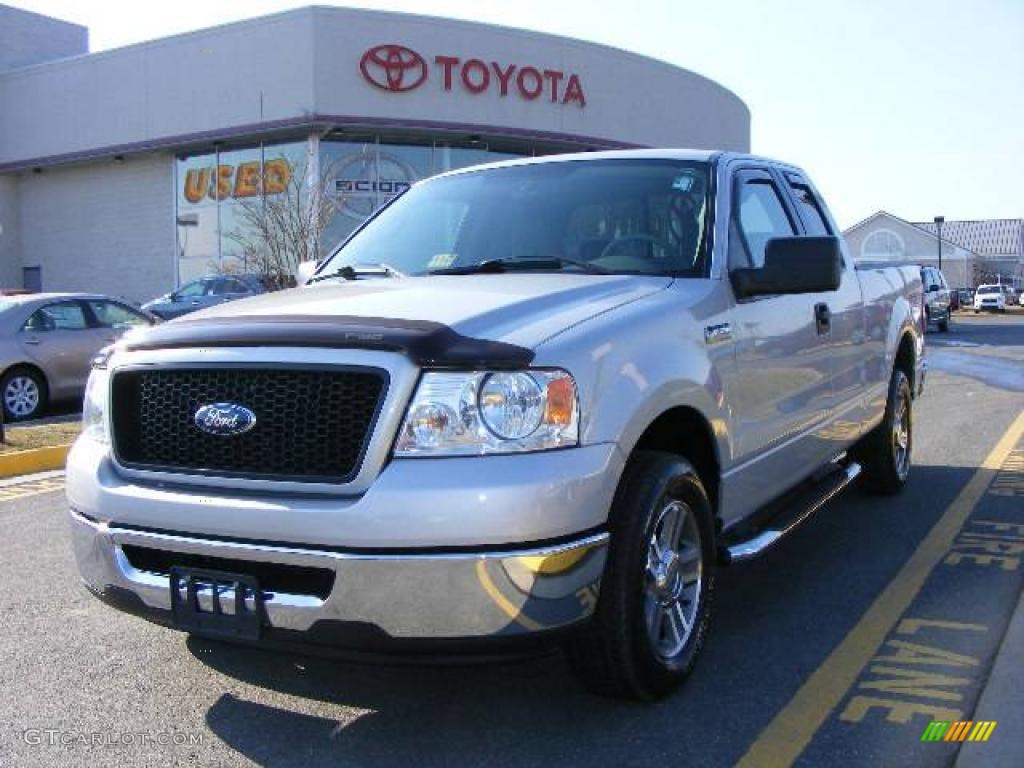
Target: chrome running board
786, 523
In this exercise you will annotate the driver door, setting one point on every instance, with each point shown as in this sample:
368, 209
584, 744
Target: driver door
781, 386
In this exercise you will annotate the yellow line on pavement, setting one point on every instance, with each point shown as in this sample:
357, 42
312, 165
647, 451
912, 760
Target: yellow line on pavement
792, 729
33, 488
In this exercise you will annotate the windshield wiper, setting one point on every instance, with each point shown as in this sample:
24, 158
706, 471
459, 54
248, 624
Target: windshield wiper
541, 264
355, 271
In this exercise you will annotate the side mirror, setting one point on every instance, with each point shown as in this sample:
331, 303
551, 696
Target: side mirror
792, 265
305, 271
933, 288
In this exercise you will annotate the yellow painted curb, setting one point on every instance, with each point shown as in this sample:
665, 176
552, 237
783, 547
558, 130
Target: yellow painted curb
35, 460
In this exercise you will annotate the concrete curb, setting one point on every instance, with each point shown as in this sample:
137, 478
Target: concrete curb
35, 460
1002, 701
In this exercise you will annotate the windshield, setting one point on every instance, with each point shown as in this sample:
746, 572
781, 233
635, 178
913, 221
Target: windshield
634, 216
989, 289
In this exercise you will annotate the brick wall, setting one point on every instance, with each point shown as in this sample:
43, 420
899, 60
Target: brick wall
106, 227
10, 242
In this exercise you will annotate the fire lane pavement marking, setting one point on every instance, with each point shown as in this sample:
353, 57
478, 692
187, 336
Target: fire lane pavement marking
31, 488
795, 725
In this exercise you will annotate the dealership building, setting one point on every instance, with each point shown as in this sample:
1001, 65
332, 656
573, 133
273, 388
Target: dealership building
134, 170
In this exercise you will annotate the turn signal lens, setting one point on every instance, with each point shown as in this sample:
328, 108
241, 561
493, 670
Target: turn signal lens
561, 406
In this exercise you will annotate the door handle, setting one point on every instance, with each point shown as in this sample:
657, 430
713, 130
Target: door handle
33, 342
822, 318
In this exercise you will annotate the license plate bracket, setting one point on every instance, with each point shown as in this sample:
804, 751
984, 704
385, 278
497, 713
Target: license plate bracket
229, 614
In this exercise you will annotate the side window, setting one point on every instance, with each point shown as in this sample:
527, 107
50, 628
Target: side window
39, 321
112, 315
758, 216
226, 286
193, 290
66, 316
810, 210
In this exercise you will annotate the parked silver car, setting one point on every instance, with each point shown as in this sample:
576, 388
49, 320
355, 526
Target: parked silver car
47, 341
204, 293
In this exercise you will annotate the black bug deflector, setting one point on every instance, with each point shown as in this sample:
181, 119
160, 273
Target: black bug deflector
423, 342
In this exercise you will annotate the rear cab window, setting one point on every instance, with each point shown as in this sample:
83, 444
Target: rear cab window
808, 206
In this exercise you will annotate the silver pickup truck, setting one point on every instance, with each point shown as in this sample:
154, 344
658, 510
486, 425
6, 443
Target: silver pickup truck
534, 402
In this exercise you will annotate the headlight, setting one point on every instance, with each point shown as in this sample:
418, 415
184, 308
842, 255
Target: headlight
95, 406
465, 414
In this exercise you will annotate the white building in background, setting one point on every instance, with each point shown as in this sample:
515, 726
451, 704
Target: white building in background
987, 250
123, 171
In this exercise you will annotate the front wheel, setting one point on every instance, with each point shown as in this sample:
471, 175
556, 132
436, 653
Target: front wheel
654, 606
944, 322
885, 452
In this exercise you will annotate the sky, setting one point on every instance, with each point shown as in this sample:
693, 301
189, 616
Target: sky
915, 107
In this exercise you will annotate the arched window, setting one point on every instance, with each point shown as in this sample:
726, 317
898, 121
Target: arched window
883, 244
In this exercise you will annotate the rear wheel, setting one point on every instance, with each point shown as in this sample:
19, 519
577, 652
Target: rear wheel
24, 394
885, 452
654, 607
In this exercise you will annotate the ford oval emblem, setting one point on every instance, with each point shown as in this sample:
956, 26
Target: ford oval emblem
225, 419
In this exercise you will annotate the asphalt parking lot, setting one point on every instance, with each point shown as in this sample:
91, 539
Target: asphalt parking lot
815, 656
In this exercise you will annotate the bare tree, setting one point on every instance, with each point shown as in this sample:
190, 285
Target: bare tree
282, 226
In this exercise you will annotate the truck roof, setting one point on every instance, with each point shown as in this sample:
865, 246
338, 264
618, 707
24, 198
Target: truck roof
699, 155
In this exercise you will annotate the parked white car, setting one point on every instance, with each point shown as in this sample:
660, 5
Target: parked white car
990, 297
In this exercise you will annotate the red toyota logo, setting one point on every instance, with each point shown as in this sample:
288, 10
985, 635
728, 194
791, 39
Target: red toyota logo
393, 68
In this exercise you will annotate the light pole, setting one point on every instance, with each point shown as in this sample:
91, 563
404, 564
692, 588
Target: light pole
938, 226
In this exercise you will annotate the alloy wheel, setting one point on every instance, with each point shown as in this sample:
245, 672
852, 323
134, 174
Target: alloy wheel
673, 580
21, 396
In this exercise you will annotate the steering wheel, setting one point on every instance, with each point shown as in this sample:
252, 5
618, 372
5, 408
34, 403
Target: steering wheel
608, 249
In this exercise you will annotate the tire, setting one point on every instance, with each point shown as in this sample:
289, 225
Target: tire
23, 392
616, 654
885, 453
944, 323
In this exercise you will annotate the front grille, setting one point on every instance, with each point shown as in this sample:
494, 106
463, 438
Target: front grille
272, 577
312, 424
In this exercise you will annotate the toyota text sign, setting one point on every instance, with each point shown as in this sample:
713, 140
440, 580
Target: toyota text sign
397, 69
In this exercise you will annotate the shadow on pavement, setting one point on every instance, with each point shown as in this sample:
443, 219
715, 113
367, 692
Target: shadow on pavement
776, 619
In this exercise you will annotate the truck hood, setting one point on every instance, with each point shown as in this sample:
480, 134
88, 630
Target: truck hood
517, 309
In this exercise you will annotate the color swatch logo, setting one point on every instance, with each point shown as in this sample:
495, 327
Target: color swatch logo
959, 731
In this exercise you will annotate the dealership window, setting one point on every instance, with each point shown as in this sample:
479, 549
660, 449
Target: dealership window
219, 193
217, 196
365, 175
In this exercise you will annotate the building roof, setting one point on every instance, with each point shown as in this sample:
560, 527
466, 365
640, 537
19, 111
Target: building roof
330, 68
903, 222
986, 237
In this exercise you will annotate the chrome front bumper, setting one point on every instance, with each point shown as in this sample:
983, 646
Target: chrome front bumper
449, 596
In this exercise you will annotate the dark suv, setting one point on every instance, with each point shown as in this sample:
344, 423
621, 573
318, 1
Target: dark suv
938, 303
